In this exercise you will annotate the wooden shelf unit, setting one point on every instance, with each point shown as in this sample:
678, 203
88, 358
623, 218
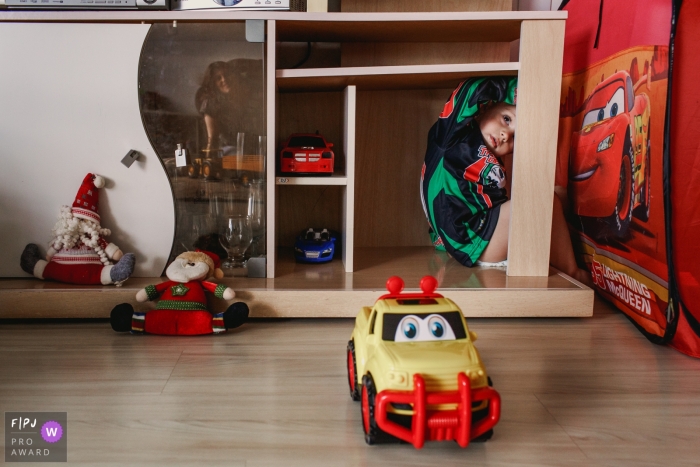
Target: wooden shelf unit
373, 78
538, 69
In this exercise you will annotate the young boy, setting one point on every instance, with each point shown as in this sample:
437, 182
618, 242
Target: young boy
464, 188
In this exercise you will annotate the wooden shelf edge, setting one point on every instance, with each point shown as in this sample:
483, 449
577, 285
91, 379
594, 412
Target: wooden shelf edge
270, 303
512, 303
333, 180
420, 77
397, 70
281, 16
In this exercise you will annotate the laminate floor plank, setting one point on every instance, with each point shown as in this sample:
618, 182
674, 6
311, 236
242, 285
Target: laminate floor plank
576, 392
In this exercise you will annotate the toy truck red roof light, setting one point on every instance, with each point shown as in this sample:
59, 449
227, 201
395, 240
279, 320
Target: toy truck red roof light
428, 284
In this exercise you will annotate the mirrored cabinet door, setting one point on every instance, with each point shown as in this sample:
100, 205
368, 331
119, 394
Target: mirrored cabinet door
202, 101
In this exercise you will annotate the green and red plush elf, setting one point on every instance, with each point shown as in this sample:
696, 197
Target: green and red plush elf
182, 305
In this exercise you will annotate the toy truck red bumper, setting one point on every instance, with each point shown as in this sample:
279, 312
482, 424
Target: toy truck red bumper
439, 425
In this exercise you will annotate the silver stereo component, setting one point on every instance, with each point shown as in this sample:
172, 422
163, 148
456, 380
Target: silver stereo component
229, 4
86, 4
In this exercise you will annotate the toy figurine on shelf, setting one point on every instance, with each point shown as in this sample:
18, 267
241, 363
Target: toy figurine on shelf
315, 246
307, 154
411, 360
182, 307
79, 252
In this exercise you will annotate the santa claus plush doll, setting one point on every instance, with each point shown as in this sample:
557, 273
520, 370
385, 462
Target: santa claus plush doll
79, 252
182, 305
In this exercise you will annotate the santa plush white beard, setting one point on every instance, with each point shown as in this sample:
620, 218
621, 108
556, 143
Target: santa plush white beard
182, 270
73, 232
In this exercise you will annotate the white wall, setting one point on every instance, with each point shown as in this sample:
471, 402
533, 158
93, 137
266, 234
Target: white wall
69, 106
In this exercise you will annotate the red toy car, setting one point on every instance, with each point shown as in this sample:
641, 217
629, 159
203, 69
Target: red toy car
307, 154
609, 166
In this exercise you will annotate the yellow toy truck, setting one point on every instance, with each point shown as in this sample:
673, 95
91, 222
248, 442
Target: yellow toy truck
412, 363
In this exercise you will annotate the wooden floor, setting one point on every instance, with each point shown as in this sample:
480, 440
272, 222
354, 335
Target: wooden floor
576, 392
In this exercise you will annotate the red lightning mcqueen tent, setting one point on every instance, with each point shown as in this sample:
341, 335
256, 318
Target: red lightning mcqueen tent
629, 158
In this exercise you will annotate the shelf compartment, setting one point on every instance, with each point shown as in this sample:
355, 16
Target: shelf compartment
388, 77
485, 26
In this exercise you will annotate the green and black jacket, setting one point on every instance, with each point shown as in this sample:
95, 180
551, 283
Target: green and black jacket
462, 183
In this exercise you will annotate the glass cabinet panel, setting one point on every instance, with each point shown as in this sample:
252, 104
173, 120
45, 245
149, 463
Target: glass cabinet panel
202, 100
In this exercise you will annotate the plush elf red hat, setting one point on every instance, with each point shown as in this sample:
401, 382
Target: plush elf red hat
87, 200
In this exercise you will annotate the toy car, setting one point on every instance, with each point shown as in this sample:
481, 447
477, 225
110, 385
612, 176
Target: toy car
307, 154
609, 165
315, 246
412, 363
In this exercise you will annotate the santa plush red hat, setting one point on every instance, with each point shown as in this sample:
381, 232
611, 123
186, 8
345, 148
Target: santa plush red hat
215, 265
86, 203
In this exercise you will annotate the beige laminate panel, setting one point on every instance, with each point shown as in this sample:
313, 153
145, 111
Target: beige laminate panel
335, 21
326, 290
534, 157
271, 129
488, 304
347, 245
296, 303
304, 180
390, 77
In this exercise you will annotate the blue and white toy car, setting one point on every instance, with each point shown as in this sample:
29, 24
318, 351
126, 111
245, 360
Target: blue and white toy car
315, 246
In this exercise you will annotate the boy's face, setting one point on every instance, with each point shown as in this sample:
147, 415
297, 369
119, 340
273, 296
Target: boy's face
497, 125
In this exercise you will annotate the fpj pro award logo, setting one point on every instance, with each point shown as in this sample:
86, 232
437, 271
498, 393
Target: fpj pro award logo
36, 436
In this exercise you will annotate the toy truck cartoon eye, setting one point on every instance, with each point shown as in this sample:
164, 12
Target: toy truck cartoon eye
422, 327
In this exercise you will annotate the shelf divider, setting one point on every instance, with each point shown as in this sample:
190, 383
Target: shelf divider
271, 113
535, 152
348, 236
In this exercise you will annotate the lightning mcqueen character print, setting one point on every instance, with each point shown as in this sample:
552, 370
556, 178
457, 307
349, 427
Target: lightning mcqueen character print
462, 183
610, 161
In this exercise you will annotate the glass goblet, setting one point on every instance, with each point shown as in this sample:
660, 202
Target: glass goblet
235, 236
